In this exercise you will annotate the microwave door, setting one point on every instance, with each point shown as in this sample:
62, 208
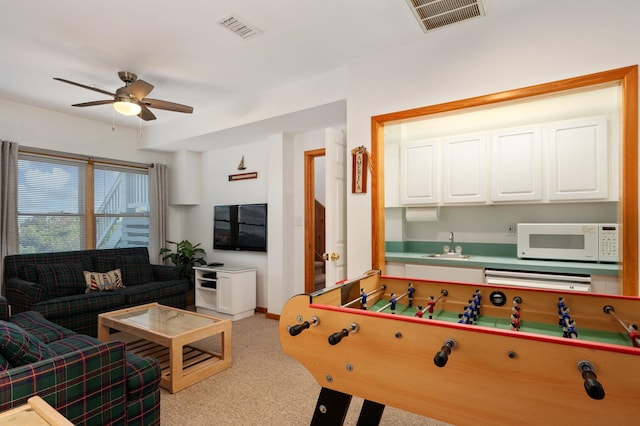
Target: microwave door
559, 243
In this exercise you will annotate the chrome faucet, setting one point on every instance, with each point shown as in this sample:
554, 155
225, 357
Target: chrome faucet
451, 242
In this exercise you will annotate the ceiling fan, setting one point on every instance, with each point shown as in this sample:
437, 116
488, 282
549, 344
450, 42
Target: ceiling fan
130, 99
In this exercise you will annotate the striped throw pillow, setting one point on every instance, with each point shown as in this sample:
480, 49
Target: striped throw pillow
103, 281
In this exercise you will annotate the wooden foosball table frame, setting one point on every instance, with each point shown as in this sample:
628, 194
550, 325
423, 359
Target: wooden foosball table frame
490, 376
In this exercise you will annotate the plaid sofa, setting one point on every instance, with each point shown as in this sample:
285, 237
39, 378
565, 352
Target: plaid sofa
87, 381
54, 285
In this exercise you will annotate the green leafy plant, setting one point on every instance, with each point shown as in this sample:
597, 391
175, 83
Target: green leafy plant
185, 257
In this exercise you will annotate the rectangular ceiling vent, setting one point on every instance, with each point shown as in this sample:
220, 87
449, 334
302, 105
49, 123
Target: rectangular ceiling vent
434, 14
234, 24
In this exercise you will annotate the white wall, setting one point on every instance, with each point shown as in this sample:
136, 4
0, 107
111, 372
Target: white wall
279, 161
493, 54
45, 129
196, 221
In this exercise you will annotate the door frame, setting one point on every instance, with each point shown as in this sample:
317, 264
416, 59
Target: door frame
309, 217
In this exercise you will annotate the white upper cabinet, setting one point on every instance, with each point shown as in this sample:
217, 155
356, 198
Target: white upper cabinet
465, 169
560, 161
516, 164
419, 172
578, 160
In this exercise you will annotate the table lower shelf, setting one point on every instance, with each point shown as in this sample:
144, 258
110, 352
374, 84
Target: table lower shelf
197, 364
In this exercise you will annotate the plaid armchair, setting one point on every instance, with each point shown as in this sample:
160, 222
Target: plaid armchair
87, 381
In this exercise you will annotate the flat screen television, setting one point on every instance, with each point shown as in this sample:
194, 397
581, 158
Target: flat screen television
240, 227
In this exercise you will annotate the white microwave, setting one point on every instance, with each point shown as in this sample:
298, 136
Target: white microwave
587, 242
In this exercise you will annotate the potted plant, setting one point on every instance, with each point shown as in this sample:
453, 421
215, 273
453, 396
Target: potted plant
185, 257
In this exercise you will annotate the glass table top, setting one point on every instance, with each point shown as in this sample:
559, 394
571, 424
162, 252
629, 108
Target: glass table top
164, 320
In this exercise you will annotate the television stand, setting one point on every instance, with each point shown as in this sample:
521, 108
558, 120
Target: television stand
227, 292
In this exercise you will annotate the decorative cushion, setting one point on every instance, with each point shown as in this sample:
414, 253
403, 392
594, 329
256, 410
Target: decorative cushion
103, 281
63, 279
34, 323
104, 264
4, 364
19, 347
28, 271
135, 269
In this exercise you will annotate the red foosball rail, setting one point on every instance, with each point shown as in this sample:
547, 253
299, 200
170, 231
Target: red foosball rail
462, 373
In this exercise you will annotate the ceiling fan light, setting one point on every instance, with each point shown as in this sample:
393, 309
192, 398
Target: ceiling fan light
127, 107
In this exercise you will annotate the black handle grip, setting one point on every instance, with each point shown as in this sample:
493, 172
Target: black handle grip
442, 357
294, 330
591, 384
335, 338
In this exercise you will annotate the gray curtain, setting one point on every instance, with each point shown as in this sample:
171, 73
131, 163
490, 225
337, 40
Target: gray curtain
159, 205
8, 203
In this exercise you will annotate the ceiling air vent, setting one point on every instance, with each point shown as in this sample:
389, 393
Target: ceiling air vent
434, 14
234, 24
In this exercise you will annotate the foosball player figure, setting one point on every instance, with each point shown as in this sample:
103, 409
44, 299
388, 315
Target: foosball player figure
571, 332
474, 306
561, 307
363, 299
419, 312
466, 316
634, 335
515, 310
477, 297
566, 322
515, 322
430, 306
410, 292
565, 318
393, 301
515, 307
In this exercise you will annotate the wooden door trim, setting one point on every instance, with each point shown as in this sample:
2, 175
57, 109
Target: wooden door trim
309, 217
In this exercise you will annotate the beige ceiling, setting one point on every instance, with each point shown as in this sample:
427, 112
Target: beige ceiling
180, 48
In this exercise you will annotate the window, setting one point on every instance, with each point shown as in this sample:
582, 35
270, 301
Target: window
56, 211
121, 207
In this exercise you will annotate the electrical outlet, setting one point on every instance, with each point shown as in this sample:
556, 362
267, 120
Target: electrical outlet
511, 229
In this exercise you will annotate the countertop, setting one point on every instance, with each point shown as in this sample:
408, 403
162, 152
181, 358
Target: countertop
512, 263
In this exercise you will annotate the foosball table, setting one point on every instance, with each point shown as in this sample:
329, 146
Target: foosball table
466, 353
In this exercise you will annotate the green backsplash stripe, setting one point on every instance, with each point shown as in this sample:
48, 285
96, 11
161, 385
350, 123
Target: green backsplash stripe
478, 249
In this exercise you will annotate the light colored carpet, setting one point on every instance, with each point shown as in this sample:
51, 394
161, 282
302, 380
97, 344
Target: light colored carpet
264, 386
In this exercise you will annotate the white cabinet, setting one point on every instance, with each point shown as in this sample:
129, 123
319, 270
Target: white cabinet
419, 172
578, 159
516, 164
560, 161
445, 273
226, 291
465, 169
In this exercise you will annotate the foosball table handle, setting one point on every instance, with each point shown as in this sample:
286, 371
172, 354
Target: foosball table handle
294, 330
442, 356
336, 337
591, 384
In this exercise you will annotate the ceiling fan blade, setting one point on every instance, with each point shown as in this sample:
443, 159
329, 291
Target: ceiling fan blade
138, 88
146, 114
85, 104
169, 106
95, 89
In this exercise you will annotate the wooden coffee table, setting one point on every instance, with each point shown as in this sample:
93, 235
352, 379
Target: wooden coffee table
36, 412
165, 334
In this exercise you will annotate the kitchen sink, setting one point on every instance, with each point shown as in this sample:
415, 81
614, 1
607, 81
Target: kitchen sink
452, 256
